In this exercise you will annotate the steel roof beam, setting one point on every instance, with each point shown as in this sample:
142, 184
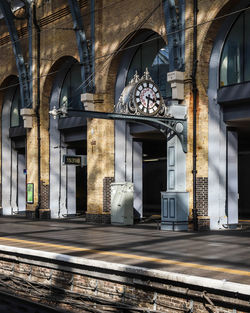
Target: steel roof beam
83, 47
22, 72
174, 11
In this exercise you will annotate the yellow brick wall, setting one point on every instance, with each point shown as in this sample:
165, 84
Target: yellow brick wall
208, 10
114, 26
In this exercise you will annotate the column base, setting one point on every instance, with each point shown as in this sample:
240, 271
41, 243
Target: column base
44, 215
203, 223
31, 214
98, 218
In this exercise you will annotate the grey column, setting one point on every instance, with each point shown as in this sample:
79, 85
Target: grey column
55, 165
21, 183
63, 189
120, 151
217, 158
176, 166
129, 155
71, 186
6, 159
232, 170
14, 183
138, 177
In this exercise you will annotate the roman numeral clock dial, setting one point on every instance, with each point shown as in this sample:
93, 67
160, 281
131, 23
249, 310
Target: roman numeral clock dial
147, 97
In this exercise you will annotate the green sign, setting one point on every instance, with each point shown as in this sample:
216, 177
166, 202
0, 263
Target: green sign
30, 193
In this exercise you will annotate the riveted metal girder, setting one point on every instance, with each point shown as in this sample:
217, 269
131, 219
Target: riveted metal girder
168, 126
83, 48
22, 72
174, 11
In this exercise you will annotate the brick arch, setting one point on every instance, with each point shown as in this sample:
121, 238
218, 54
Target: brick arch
207, 36
6, 83
46, 91
4, 86
114, 64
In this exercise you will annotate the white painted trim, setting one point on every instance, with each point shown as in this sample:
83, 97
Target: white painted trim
138, 177
6, 158
21, 183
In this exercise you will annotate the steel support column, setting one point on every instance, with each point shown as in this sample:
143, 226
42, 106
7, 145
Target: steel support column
174, 11
83, 47
22, 72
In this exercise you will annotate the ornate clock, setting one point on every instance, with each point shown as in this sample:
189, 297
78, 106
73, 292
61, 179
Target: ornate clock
147, 97
141, 97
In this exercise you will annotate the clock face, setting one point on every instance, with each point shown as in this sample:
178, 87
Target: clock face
147, 97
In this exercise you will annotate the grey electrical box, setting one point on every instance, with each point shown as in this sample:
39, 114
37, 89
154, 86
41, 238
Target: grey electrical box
122, 196
174, 210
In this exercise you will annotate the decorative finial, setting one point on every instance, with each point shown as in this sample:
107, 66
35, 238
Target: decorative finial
147, 75
136, 77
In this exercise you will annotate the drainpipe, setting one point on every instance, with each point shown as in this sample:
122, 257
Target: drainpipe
195, 92
38, 65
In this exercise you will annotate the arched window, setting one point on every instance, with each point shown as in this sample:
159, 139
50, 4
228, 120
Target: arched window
153, 54
15, 118
235, 63
71, 88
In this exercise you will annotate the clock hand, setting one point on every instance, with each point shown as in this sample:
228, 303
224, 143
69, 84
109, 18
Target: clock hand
149, 98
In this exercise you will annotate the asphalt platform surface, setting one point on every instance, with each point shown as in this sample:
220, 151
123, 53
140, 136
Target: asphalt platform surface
222, 255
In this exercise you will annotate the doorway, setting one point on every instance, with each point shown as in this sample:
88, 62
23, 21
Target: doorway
244, 170
154, 175
238, 169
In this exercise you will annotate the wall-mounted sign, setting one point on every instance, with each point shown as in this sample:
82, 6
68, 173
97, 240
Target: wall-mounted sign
30, 193
77, 160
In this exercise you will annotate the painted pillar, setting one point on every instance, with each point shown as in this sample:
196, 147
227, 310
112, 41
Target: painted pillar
176, 166
71, 186
14, 181
138, 178
120, 151
6, 159
21, 183
232, 177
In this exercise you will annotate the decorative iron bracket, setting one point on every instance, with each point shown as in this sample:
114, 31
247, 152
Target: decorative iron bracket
83, 47
174, 11
22, 72
168, 126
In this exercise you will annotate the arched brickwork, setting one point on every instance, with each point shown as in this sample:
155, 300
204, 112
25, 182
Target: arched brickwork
46, 91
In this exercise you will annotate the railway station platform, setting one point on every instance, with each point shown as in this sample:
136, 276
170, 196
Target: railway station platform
206, 261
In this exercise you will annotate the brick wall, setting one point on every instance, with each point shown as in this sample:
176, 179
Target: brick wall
202, 196
78, 287
107, 193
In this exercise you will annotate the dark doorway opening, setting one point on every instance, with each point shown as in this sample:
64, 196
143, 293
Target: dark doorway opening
244, 170
80, 148
154, 175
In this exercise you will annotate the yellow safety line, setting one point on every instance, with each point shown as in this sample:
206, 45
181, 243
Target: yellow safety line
133, 256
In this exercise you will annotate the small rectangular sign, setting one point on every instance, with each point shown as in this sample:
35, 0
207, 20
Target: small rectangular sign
30, 193
77, 160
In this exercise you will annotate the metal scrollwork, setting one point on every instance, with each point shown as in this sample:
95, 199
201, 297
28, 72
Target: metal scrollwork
127, 109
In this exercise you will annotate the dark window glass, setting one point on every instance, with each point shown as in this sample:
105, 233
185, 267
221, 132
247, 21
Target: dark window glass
247, 46
153, 54
15, 117
71, 89
235, 62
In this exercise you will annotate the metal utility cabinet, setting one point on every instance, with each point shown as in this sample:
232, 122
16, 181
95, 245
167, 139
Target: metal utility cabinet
122, 195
